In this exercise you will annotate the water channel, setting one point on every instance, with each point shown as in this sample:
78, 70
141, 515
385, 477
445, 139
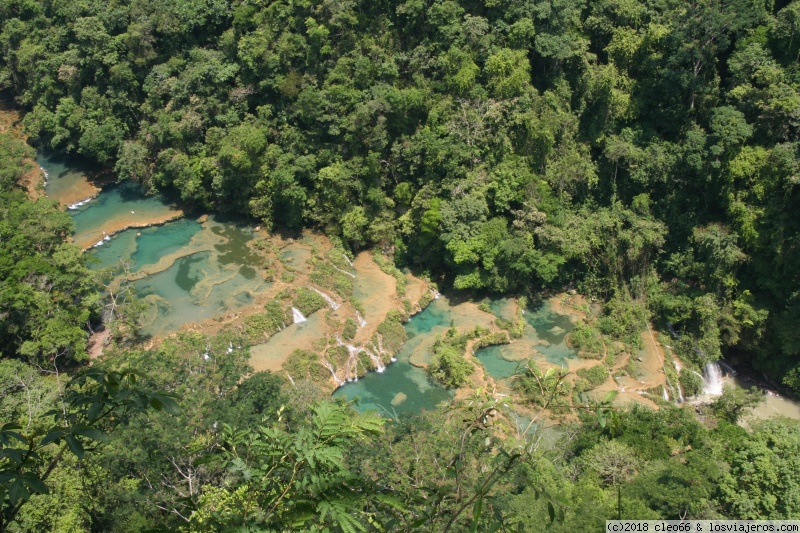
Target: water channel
193, 269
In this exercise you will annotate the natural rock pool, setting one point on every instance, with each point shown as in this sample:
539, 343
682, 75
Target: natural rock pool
195, 270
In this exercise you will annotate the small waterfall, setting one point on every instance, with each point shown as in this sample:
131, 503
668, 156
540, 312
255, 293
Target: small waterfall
291, 380
328, 299
435, 293
360, 320
230, 347
345, 272
672, 331
664, 393
712, 377
297, 316
336, 379
82, 203
355, 350
348, 261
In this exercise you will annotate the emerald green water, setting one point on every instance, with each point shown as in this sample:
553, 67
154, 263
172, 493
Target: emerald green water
377, 391
143, 247
544, 336
499, 368
545, 325
117, 206
221, 277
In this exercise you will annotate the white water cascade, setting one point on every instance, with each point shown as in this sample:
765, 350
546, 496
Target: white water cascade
77, 205
435, 293
336, 379
355, 350
345, 272
360, 319
297, 316
328, 299
712, 379
664, 392
348, 261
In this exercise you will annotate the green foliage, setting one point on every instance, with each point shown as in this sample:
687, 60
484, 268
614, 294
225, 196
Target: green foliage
292, 479
449, 365
587, 339
94, 402
350, 329
393, 334
544, 389
302, 364
261, 326
691, 383
594, 375
308, 301
47, 293
735, 402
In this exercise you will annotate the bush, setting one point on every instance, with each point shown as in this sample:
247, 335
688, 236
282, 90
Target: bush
350, 329
586, 338
392, 333
691, 383
449, 367
537, 388
623, 319
302, 364
308, 301
595, 375
261, 326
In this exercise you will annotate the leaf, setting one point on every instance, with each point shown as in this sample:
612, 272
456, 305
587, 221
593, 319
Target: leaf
52, 436
75, 446
476, 514
551, 511
610, 395
170, 406
35, 484
18, 492
89, 433
94, 411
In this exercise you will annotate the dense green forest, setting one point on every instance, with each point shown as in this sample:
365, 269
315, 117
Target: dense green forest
644, 152
641, 150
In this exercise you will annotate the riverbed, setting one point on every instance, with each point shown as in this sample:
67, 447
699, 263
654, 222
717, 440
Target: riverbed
204, 273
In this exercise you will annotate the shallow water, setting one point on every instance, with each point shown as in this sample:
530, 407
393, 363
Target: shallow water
298, 336
212, 272
543, 339
143, 247
403, 389
118, 206
66, 183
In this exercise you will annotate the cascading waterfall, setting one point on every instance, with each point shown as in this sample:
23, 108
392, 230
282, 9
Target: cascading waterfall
664, 393
348, 261
360, 319
345, 272
435, 293
355, 350
712, 378
327, 298
82, 203
290, 379
336, 379
297, 316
